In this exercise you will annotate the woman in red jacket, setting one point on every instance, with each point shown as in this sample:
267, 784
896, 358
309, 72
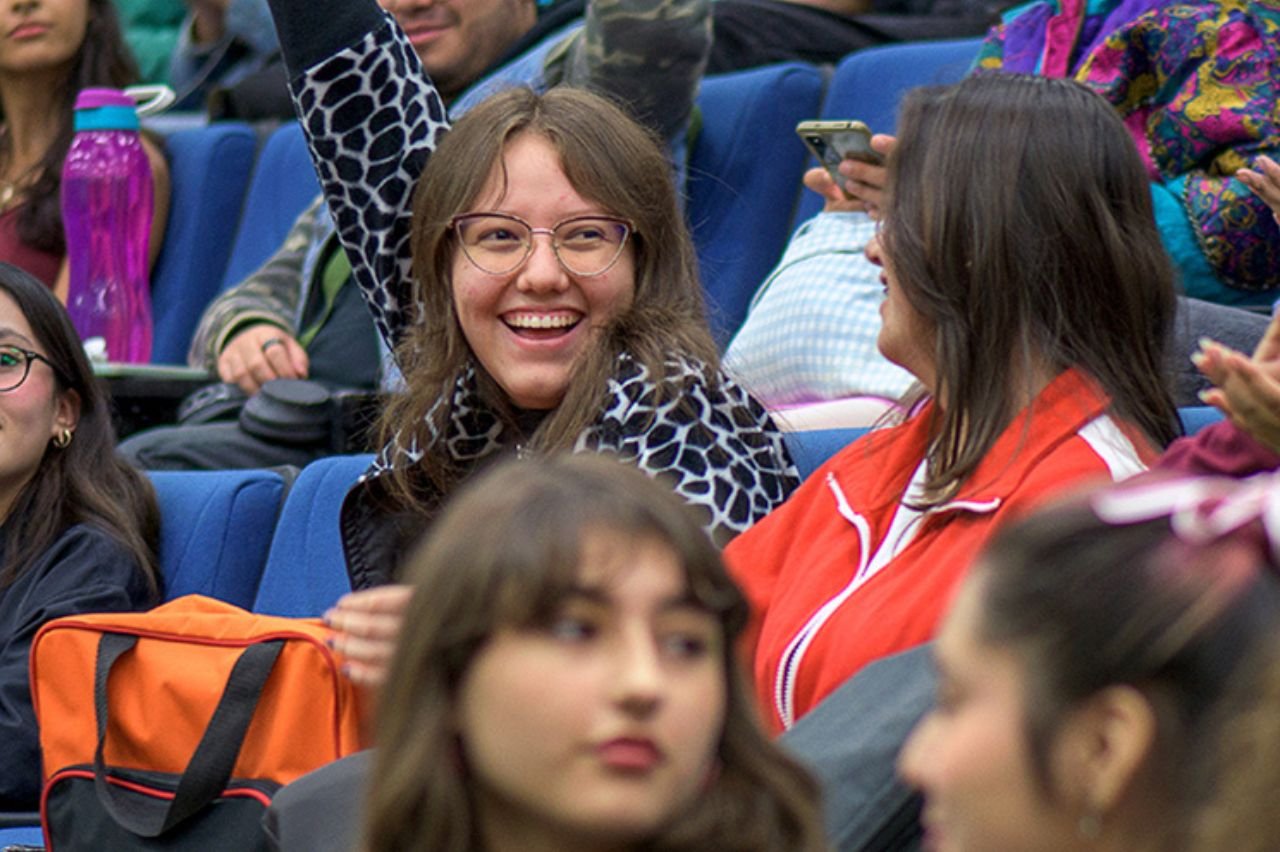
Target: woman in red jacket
1028, 293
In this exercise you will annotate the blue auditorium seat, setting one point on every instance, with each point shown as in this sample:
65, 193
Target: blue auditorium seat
28, 835
209, 169
810, 448
744, 177
869, 86
306, 570
215, 530
1196, 417
284, 182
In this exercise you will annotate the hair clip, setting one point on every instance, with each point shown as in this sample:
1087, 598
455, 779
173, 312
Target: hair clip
1200, 509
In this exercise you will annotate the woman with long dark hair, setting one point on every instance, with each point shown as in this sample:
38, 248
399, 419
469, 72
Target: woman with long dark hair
78, 526
49, 51
1028, 293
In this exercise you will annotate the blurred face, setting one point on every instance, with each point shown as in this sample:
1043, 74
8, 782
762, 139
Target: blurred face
41, 34
969, 756
600, 726
457, 40
906, 338
528, 327
30, 414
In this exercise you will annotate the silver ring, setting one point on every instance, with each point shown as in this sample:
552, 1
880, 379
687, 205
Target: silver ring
269, 342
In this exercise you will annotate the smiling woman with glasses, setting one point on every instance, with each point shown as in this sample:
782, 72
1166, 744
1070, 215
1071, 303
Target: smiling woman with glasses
554, 305
78, 527
542, 297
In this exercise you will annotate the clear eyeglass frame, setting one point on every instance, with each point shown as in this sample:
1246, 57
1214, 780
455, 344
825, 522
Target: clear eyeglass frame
486, 262
15, 366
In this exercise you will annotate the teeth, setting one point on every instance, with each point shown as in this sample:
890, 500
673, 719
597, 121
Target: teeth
541, 321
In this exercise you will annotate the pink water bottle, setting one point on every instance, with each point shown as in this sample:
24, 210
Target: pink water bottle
106, 213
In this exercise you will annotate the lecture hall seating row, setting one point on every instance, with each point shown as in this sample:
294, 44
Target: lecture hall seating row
233, 204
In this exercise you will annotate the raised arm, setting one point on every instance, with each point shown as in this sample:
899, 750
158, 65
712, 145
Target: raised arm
372, 118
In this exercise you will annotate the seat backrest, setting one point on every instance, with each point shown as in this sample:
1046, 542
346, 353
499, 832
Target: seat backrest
209, 169
744, 178
284, 182
22, 837
306, 569
215, 530
1196, 417
869, 86
810, 448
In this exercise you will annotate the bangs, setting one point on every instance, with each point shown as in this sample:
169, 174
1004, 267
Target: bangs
540, 578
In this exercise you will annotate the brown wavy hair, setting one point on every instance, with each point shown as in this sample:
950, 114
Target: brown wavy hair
470, 582
104, 59
86, 482
1020, 225
610, 160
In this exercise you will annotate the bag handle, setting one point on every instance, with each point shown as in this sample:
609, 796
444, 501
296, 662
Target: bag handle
209, 769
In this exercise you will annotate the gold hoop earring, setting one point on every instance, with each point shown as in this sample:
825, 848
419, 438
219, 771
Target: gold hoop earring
63, 439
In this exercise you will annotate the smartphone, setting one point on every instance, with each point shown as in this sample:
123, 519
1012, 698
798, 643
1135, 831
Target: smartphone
834, 141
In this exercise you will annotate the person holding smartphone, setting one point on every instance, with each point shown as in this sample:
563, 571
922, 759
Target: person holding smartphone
811, 332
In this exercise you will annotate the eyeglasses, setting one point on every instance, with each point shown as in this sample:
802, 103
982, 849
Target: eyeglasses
496, 243
15, 365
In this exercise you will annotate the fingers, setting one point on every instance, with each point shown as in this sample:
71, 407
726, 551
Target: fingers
1268, 348
1264, 180
1216, 398
260, 353
833, 197
1210, 360
367, 625
866, 182
364, 661
391, 599
883, 143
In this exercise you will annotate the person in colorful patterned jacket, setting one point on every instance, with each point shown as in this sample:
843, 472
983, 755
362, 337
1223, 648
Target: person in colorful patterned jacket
1032, 306
1197, 86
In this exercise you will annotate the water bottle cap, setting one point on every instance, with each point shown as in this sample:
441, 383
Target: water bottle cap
93, 98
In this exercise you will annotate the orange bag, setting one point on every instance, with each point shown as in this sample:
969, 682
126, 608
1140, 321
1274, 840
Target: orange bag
131, 743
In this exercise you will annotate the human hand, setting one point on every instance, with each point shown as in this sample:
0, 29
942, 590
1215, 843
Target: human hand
259, 353
368, 624
865, 182
1247, 389
1264, 180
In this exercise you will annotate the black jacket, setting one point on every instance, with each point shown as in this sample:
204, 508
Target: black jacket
86, 570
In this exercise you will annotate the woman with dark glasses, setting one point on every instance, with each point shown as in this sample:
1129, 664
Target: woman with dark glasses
78, 527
